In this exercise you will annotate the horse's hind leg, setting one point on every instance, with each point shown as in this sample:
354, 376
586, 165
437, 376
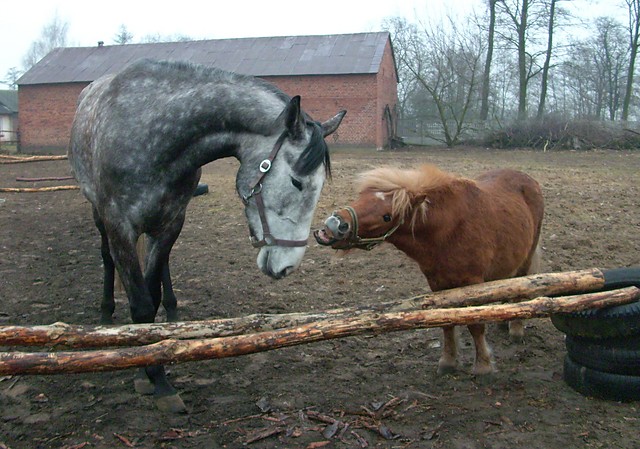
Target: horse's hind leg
107, 306
169, 300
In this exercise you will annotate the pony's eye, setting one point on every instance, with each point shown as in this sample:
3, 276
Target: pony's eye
386, 218
297, 184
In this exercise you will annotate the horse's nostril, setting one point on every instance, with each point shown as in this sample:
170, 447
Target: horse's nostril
343, 227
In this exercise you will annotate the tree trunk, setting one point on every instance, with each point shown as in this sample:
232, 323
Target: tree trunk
179, 351
634, 34
547, 60
516, 289
486, 77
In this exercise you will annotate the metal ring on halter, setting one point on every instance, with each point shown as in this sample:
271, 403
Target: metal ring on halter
265, 166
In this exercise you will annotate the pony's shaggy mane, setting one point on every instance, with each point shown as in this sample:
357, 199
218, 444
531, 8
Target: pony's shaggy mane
405, 185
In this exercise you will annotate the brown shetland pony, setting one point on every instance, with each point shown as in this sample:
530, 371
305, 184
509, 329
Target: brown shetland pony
459, 231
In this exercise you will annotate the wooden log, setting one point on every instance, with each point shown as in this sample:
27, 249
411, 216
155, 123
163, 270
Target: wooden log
22, 159
180, 351
516, 289
36, 189
45, 178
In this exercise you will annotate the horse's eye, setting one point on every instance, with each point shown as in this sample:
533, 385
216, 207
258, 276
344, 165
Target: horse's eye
386, 218
297, 184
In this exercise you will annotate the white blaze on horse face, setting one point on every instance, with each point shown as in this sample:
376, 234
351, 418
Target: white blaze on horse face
290, 200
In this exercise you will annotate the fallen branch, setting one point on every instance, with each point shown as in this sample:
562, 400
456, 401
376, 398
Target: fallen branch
180, 351
21, 159
36, 189
46, 178
516, 289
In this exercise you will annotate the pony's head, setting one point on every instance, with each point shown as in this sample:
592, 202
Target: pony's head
389, 199
280, 180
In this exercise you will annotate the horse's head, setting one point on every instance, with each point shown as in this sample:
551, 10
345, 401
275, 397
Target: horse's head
280, 180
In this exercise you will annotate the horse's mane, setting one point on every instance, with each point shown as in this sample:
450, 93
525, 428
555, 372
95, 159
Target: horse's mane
405, 185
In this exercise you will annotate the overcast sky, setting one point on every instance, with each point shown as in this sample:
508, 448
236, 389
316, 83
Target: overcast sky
90, 22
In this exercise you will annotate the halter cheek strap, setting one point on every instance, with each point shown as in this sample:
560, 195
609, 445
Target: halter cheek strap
256, 192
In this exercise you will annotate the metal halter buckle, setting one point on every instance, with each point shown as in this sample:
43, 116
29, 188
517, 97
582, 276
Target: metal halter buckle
265, 166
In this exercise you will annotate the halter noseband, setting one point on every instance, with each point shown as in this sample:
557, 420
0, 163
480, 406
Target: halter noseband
355, 241
256, 192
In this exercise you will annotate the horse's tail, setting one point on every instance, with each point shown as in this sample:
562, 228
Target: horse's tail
141, 249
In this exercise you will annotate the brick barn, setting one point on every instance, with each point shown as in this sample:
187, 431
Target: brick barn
356, 72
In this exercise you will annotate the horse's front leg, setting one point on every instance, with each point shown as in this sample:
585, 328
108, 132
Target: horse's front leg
483, 364
448, 362
152, 379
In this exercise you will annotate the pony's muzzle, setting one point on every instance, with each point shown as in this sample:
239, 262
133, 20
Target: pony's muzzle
335, 230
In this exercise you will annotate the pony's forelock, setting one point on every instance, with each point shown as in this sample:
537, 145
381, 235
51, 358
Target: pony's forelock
405, 185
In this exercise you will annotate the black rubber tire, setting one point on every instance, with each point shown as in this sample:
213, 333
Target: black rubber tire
598, 384
612, 322
201, 189
611, 355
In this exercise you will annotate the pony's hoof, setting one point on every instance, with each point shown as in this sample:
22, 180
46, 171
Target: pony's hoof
172, 316
171, 404
143, 385
516, 338
443, 370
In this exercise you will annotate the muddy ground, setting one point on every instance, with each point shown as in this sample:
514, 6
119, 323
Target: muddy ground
384, 388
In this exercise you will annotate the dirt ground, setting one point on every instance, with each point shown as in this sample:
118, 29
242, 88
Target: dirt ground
382, 391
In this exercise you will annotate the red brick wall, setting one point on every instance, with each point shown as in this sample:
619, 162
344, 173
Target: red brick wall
45, 115
324, 96
46, 111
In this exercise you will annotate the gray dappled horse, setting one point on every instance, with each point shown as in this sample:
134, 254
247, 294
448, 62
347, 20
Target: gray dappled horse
138, 141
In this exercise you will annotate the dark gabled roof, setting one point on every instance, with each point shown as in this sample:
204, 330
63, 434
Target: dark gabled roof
261, 56
8, 101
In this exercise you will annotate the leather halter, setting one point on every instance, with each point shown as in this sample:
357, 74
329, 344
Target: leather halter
256, 192
368, 243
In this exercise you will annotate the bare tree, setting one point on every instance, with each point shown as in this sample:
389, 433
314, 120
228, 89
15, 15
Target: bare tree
53, 35
634, 35
444, 60
123, 37
11, 78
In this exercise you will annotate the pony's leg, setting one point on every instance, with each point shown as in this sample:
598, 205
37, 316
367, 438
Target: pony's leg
108, 305
143, 310
516, 327
483, 364
448, 362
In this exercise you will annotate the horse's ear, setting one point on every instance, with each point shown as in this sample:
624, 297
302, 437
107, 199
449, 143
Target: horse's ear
330, 126
293, 118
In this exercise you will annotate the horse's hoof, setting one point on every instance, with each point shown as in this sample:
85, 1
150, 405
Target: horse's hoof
106, 320
171, 404
142, 384
172, 317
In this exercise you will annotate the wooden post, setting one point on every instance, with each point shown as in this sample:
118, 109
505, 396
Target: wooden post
179, 351
516, 289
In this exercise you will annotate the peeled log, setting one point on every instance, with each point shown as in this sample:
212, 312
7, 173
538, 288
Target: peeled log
37, 189
516, 289
179, 351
